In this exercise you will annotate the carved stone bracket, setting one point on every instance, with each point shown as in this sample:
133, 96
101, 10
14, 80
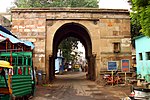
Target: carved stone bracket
94, 55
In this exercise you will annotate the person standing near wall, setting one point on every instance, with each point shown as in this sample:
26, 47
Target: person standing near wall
61, 69
86, 67
134, 64
35, 75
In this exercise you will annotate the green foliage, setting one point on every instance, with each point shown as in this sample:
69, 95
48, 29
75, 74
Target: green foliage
56, 3
135, 25
67, 46
141, 15
31, 3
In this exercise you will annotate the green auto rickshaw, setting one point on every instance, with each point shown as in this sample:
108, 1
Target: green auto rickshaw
5, 81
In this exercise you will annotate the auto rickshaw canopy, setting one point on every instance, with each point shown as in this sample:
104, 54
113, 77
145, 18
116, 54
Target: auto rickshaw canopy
5, 64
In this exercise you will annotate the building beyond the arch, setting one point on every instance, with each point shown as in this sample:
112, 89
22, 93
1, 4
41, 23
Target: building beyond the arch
107, 31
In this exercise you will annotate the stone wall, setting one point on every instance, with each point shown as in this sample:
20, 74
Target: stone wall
114, 31
31, 27
105, 27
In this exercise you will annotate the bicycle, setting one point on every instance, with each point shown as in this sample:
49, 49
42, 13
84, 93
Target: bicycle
109, 80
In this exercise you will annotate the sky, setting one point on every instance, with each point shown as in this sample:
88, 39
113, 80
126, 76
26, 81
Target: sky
114, 4
4, 4
110, 4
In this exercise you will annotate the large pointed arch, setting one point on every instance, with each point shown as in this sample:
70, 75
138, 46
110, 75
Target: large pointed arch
78, 31
73, 30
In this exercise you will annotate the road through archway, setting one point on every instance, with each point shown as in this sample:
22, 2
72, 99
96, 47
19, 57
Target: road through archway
78, 31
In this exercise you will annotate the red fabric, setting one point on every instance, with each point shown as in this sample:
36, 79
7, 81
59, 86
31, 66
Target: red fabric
19, 71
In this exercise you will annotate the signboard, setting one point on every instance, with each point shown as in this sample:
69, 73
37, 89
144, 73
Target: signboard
125, 65
112, 66
126, 42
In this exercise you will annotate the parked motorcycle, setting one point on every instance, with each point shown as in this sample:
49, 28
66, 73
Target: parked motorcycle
139, 93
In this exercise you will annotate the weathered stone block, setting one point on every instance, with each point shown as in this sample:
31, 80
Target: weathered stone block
27, 30
116, 33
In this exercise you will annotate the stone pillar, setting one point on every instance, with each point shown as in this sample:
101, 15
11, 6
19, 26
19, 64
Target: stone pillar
51, 68
47, 67
91, 67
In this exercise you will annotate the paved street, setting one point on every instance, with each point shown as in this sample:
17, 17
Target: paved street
74, 86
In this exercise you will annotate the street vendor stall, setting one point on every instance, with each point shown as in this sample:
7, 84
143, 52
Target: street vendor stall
16, 53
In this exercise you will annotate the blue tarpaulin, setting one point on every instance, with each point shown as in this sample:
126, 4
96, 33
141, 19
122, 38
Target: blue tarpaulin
6, 31
15, 40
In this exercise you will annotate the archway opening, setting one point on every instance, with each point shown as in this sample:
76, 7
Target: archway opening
70, 62
82, 34
70, 54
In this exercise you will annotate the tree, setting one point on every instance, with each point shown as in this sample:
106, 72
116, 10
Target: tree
56, 3
67, 46
135, 27
140, 16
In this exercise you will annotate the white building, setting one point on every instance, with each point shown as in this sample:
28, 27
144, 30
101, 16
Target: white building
81, 53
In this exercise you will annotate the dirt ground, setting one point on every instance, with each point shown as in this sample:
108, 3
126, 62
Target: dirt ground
74, 86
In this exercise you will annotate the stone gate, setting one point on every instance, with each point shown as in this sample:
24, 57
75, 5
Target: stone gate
105, 34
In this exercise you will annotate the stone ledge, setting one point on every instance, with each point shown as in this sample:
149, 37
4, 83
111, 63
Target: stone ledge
63, 9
